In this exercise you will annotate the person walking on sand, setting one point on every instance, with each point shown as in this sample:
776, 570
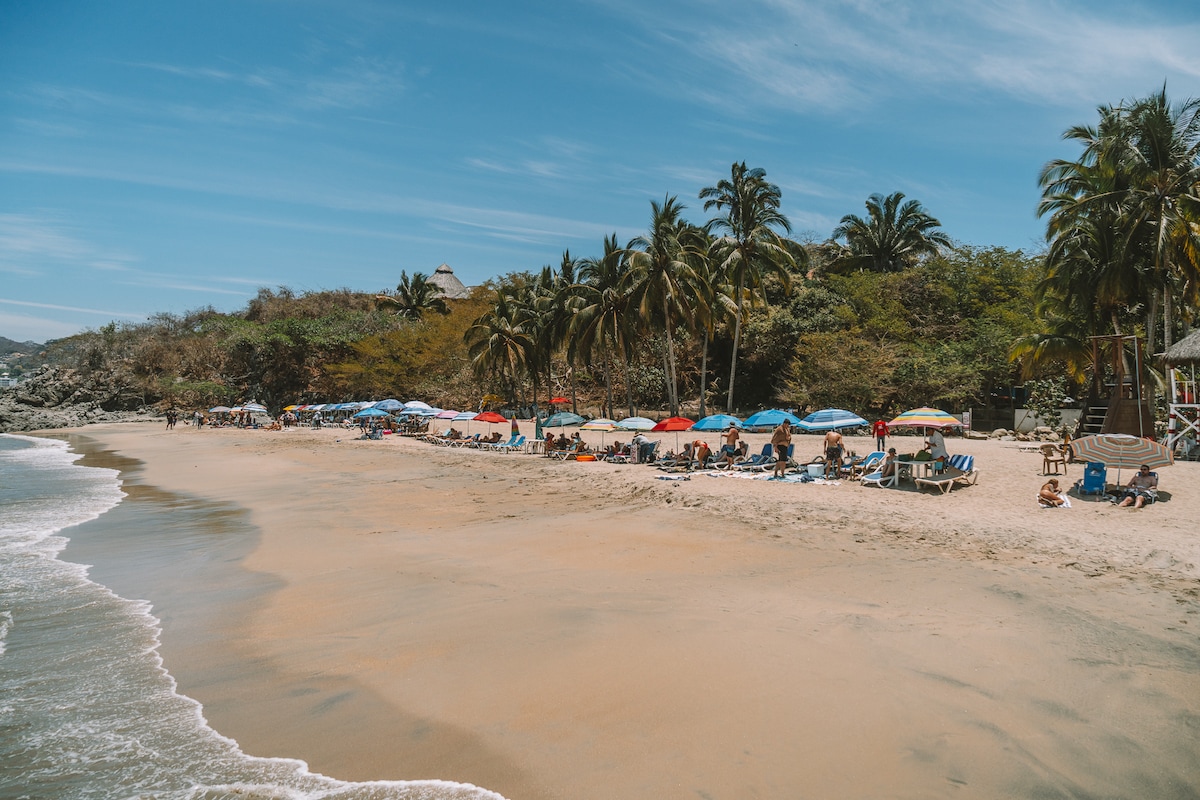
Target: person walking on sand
781, 439
880, 429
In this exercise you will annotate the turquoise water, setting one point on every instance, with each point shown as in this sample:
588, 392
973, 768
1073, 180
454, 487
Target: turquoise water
87, 709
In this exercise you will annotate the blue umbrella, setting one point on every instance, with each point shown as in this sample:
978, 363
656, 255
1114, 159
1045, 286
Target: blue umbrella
562, 419
388, 405
828, 419
717, 422
770, 418
372, 412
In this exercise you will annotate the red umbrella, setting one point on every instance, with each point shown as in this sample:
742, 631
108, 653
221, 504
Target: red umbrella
558, 400
490, 416
676, 424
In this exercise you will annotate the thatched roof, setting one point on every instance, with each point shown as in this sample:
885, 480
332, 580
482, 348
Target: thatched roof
452, 287
1185, 351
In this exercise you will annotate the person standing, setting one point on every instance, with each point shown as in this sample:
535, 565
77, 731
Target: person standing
781, 439
880, 429
729, 448
833, 453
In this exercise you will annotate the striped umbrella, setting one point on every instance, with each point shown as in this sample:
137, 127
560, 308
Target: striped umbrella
829, 419
599, 424
1122, 451
925, 418
636, 424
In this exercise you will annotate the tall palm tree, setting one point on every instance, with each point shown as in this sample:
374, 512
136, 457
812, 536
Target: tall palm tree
415, 296
894, 235
601, 321
662, 278
499, 342
750, 244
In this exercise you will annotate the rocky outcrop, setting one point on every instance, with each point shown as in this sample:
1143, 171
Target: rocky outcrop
66, 398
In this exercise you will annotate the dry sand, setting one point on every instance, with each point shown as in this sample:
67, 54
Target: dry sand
554, 630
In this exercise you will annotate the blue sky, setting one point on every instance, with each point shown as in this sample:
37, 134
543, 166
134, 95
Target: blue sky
164, 156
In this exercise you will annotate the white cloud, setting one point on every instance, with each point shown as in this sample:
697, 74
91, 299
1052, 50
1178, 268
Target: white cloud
23, 328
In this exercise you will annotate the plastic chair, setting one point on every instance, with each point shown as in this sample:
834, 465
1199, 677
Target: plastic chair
1094, 481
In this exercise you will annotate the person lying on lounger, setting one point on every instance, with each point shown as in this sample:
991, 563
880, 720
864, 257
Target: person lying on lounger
1142, 489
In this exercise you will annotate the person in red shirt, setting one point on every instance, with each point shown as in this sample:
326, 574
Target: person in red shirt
880, 429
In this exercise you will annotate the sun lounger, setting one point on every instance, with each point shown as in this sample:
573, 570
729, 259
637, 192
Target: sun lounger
877, 478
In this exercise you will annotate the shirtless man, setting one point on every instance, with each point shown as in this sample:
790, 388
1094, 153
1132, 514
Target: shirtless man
780, 439
1141, 489
729, 450
833, 454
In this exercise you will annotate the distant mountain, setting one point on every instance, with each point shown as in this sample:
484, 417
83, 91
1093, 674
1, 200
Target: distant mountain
9, 346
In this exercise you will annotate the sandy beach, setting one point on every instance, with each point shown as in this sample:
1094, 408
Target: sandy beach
390, 609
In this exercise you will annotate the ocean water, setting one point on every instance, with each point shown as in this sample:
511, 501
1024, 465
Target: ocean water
87, 709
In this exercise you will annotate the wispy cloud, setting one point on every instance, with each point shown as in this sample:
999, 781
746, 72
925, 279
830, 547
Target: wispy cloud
31, 244
810, 56
73, 309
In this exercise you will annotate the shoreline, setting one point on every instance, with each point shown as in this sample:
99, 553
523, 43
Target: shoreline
556, 633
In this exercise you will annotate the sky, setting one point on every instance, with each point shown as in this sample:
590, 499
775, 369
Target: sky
168, 156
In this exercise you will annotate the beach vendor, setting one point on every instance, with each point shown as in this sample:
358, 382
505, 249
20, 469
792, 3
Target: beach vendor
644, 447
937, 445
1142, 489
781, 439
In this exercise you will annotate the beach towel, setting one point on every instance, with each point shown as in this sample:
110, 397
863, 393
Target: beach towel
674, 477
1065, 504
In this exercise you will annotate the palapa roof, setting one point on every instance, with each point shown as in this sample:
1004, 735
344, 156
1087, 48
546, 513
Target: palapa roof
1185, 351
452, 287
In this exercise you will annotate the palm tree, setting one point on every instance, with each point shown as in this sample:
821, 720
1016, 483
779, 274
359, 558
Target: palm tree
662, 277
601, 321
893, 236
750, 244
414, 296
499, 343
1140, 174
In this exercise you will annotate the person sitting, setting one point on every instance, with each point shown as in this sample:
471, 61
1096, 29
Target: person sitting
1142, 489
889, 464
1050, 496
493, 439
562, 442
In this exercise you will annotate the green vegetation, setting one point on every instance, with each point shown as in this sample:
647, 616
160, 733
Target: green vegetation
886, 314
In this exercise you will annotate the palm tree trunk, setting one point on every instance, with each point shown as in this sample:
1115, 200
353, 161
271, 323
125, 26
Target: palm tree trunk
1168, 313
674, 387
1151, 321
574, 398
704, 375
737, 341
623, 347
608, 405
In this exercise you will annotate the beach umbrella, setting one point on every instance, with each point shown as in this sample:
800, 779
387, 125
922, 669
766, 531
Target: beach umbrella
562, 419
537, 428
830, 419
220, 410
636, 424
675, 424
417, 406
559, 401
516, 429
464, 416
1122, 451
372, 412
599, 424
449, 414
490, 417
389, 405
925, 418
255, 407
770, 418
717, 422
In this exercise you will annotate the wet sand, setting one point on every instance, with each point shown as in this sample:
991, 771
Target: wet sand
546, 630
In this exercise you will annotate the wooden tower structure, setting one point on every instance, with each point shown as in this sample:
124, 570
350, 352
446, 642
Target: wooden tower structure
1116, 401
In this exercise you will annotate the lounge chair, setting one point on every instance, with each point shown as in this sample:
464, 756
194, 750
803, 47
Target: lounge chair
966, 466
877, 478
515, 443
756, 462
866, 465
501, 444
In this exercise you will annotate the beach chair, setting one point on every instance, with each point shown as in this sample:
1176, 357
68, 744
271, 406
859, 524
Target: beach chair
755, 462
515, 443
965, 466
500, 446
877, 478
1052, 456
866, 465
